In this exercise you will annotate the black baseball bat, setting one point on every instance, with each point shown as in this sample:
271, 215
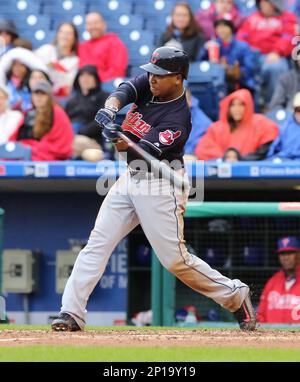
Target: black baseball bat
158, 168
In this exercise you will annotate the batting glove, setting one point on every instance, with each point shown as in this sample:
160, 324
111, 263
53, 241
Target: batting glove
110, 131
106, 115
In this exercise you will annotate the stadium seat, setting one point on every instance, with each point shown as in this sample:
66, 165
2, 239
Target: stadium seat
157, 26
135, 71
19, 7
278, 115
207, 83
110, 7
77, 20
140, 54
39, 37
66, 9
36, 22
14, 151
124, 23
135, 38
246, 7
154, 8
110, 86
197, 5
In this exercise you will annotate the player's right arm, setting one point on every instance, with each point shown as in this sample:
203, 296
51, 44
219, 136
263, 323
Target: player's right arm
127, 93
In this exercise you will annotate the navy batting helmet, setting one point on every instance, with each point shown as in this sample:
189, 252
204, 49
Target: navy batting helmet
168, 60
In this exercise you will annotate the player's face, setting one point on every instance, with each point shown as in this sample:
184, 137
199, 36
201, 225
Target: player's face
237, 110
288, 261
166, 87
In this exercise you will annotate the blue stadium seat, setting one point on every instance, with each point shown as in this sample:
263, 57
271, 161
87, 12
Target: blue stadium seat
135, 71
140, 54
278, 115
154, 8
110, 7
246, 7
39, 37
19, 7
157, 25
66, 9
124, 23
197, 5
36, 22
14, 151
134, 38
207, 83
110, 86
77, 20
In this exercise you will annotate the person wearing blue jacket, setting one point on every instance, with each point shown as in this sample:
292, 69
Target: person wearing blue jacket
200, 123
237, 57
287, 144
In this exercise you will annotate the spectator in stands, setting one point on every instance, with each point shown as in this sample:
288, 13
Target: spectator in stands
287, 144
280, 299
236, 56
104, 50
61, 58
219, 9
183, 31
38, 75
8, 33
200, 123
15, 68
22, 43
270, 30
9, 119
82, 108
240, 128
46, 128
287, 86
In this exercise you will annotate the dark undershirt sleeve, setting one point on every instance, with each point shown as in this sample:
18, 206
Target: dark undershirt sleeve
258, 154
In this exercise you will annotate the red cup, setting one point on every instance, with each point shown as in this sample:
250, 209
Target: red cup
213, 49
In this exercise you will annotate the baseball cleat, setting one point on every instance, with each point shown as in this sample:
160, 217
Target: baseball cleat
65, 323
245, 315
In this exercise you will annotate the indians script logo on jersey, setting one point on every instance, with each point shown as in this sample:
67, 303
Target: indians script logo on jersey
135, 124
167, 137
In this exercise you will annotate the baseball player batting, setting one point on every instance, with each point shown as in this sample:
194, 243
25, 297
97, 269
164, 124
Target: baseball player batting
160, 123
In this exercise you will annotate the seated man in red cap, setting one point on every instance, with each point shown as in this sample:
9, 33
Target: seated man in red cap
280, 299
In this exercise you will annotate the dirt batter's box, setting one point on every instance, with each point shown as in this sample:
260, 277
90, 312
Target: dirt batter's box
238, 239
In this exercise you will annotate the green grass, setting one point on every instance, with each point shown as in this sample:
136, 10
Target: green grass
112, 354
47, 353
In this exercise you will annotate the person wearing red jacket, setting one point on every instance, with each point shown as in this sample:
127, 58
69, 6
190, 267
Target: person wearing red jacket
46, 128
280, 299
104, 50
238, 128
270, 30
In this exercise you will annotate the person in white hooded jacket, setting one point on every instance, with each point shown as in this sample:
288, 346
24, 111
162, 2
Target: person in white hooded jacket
9, 119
